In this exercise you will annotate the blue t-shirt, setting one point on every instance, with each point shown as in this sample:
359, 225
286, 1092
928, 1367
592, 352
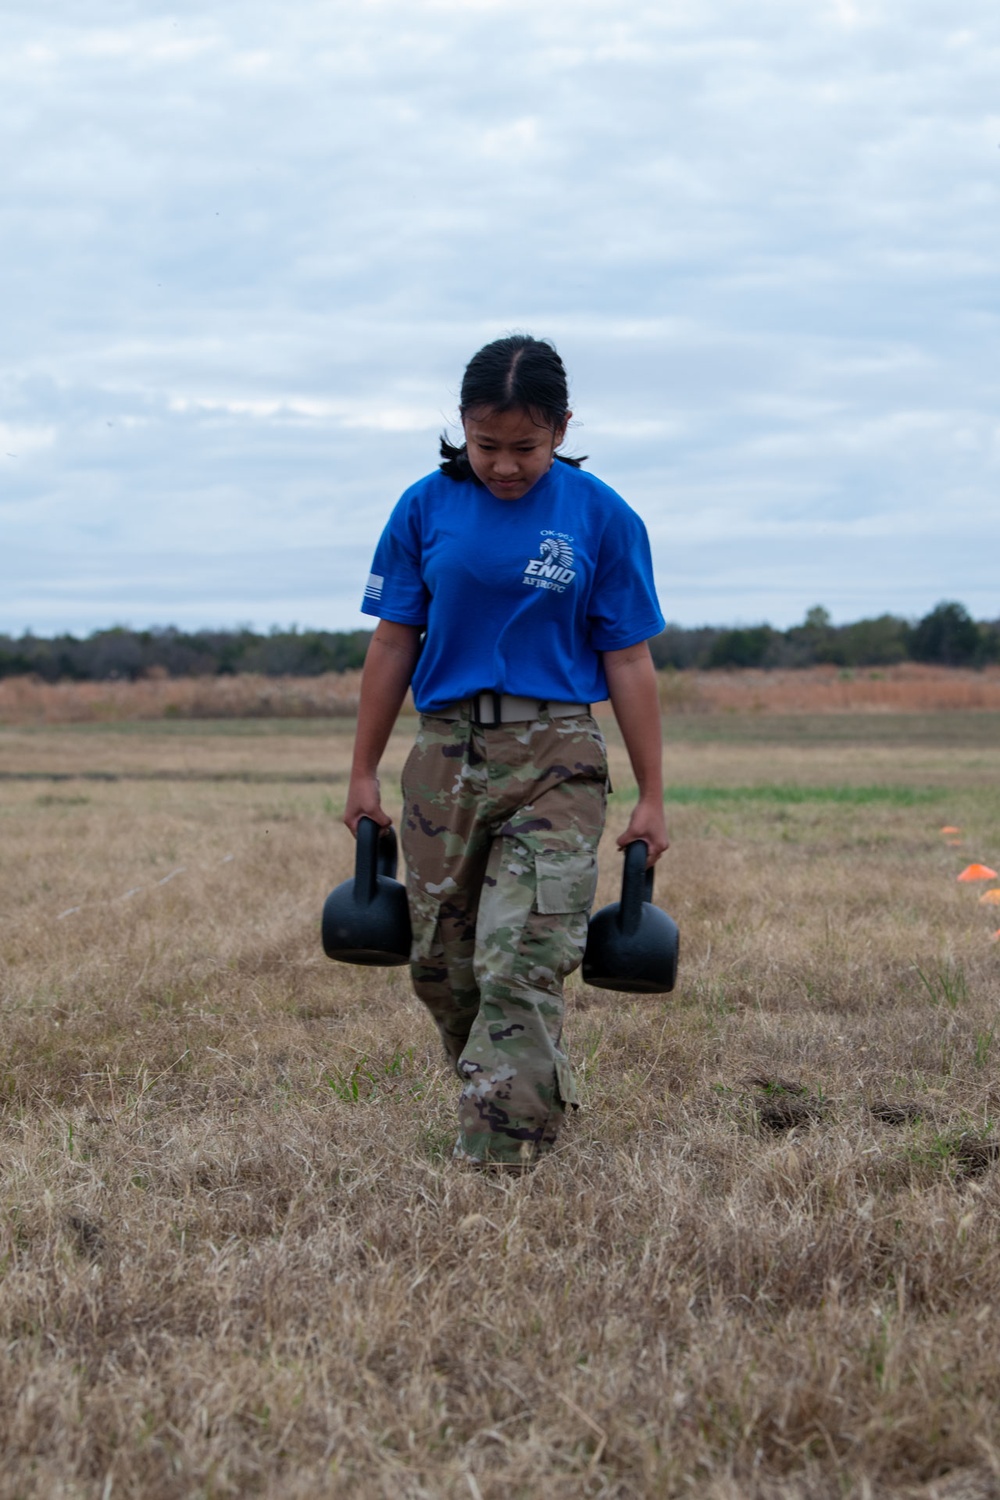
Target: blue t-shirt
516, 596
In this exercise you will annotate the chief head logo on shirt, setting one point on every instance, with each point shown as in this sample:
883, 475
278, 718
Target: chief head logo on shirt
553, 567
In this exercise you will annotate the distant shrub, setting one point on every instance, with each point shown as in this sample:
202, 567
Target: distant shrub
948, 635
875, 643
681, 649
741, 648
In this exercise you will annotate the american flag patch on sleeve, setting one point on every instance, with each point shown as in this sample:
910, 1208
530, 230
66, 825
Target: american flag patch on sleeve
373, 588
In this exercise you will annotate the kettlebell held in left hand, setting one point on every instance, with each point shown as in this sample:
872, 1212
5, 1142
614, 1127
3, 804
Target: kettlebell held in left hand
367, 920
632, 945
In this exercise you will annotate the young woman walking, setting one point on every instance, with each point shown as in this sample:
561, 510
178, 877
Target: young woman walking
513, 590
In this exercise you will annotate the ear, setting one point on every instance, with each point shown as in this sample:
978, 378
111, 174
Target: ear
559, 435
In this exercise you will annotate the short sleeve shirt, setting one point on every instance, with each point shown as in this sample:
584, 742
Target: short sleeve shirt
515, 596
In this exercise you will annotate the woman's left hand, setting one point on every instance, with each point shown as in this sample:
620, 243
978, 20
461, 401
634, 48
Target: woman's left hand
649, 824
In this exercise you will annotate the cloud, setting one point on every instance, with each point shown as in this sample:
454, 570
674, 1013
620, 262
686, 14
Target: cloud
311, 410
246, 256
25, 440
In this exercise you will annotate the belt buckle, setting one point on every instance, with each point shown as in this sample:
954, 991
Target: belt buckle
497, 719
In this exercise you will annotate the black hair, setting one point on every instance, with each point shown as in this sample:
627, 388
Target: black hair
517, 373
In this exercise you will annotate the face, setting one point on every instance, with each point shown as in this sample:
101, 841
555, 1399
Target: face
508, 450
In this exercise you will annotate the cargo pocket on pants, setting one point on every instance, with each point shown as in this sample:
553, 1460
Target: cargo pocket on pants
565, 882
564, 891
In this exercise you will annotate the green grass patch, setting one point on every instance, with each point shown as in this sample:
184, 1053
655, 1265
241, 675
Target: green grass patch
967, 728
849, 796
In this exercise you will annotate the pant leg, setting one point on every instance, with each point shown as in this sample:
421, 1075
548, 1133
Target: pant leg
531, 934
445, 840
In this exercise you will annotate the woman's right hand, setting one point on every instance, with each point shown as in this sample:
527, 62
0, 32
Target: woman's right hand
392, 655
364, 801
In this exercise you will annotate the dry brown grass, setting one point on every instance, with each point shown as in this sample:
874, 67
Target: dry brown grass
26, 700
909, 688
236, 1259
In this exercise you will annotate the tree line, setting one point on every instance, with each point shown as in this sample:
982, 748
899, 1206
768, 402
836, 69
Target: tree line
948, 635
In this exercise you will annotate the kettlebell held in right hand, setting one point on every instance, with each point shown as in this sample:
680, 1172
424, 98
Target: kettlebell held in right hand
367, 920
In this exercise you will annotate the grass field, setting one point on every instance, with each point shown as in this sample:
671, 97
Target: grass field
237, 1260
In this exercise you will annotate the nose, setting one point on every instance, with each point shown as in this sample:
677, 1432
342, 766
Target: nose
505, 463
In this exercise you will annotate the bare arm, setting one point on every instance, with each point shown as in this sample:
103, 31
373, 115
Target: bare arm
392, 656
636, 702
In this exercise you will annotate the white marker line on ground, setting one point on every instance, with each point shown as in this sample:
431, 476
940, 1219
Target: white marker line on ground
179, 871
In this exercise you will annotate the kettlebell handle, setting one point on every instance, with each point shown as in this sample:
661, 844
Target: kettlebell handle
637, 887
376, 855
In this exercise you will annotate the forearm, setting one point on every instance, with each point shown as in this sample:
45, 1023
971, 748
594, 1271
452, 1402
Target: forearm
384, 684
636, 702
635, 699
389, 664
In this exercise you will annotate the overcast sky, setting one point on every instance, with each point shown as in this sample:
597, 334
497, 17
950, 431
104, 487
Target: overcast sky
246, 250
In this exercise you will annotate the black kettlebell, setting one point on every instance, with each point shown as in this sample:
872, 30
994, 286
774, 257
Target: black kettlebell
367, 920
631, 944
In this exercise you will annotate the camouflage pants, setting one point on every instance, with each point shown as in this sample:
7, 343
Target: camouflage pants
500, 830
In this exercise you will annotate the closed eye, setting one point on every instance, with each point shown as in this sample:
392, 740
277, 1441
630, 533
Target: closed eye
488, 446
